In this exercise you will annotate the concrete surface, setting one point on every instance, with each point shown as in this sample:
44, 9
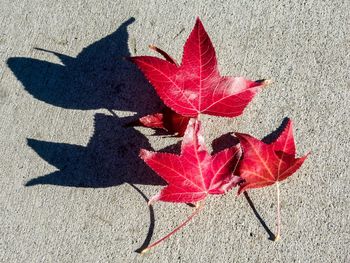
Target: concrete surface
72, 188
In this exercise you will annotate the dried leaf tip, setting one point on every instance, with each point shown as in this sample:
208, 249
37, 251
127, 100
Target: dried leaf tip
264, 82
268, 82
277, 237
144, 251
153, 47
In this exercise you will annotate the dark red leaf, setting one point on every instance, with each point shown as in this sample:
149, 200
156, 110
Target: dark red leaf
167, 120
193, 174
264, 164
196, 85
153, 121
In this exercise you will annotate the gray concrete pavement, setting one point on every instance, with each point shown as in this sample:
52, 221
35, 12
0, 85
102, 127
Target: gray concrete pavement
72, 188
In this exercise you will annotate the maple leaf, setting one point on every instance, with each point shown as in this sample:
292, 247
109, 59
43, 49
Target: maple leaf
196, 85
264, 164
167, 120
193, 174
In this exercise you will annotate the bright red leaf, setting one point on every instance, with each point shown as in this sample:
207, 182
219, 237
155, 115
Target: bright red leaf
196, 85
193, 174
167, 120
264, 164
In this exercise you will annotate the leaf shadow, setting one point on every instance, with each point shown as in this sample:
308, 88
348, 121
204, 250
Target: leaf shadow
109, 159
98, 77
149, 235
270, 138
272, 236
226, 140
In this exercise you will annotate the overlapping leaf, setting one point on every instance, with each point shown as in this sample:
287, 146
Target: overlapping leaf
193, 174
196, 85
167, 120
264, 164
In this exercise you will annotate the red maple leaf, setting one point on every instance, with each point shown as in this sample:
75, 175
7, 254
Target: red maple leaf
265, 164
167, 120
193, 174
196, 85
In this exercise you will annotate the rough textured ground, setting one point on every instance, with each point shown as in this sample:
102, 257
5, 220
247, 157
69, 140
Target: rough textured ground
72, 186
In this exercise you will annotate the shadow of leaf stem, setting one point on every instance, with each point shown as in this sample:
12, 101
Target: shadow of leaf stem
256, 213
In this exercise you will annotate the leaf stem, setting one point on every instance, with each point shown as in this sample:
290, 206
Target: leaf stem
278, 219
195, 212
164, 54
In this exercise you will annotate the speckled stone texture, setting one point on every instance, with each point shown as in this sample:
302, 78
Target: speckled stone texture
72, 186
